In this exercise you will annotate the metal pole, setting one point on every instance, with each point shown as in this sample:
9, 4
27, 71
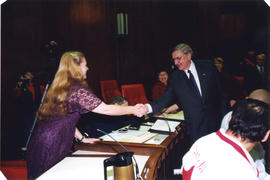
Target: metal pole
34, 123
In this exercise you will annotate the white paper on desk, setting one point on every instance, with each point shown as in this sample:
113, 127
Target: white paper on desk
131, 136
165, 125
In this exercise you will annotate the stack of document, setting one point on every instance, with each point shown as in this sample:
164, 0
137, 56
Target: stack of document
179, 115
132, 136
164, 126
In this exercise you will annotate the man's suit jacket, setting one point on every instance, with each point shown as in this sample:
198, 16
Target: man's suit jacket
203, 114
254, 79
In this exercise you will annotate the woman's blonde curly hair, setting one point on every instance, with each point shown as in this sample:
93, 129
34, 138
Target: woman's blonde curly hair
68, 72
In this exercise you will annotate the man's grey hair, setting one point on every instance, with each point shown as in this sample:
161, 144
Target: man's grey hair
184, 48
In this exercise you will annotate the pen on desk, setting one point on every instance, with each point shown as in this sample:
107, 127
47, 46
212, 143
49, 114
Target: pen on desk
168, 126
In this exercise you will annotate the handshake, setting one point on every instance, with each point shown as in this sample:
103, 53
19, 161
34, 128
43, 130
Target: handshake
140, 109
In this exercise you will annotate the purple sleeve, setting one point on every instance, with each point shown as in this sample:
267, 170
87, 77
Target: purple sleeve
83, 100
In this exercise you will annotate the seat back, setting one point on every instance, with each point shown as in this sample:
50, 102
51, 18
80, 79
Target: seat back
15, 169
109, 89
134, 93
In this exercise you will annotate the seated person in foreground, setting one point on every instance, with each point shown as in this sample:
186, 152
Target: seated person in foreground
258, 152
224, 154
258, 94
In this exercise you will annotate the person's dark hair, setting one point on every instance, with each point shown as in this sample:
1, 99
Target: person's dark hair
161, 69
249, 120
118, 100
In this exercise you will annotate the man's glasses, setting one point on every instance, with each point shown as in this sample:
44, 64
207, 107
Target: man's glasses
178, 58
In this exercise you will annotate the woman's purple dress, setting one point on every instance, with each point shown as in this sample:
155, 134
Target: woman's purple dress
52, 138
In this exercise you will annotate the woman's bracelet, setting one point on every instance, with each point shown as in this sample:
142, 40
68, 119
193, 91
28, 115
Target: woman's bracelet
80, 140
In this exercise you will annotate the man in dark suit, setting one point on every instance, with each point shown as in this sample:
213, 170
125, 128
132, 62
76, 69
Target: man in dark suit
196, 86
255, 74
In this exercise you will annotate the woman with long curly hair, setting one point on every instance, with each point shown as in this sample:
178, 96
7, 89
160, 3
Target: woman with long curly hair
68, 97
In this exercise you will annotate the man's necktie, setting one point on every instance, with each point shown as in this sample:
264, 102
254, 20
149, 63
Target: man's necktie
193, 82
261, 69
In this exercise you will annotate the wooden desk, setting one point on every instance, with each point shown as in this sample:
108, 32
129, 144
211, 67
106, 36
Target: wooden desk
162, 157
113, 147
162, 162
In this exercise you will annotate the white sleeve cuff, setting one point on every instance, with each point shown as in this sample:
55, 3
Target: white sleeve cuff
150, 110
